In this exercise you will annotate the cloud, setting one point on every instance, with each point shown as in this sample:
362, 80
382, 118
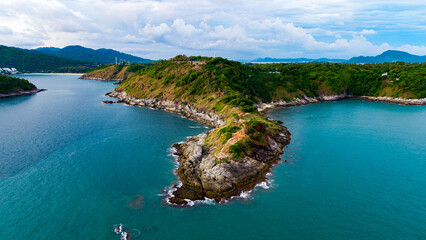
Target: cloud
367, 32
232, 28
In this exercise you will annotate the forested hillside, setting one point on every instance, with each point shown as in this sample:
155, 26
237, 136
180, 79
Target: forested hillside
245, 84
26, 61
99, 56
13, 84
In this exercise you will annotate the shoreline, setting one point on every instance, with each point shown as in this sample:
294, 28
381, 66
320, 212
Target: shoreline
21, 93
50, 74
101, 79
264, 107
191, 153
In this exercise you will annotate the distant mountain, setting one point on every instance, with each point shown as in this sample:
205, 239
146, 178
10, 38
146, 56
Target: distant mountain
100, 56
389, 56
295, 60
30, 61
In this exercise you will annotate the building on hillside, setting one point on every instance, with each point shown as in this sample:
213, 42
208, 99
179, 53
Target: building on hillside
8, 71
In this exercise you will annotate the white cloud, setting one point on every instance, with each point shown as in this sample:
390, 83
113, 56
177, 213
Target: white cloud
367, 32
232, 28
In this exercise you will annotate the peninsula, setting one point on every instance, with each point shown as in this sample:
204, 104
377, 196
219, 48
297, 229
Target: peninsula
232, 97
12, 86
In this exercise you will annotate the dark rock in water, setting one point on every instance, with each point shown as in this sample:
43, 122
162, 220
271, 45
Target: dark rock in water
107, 102
137, 202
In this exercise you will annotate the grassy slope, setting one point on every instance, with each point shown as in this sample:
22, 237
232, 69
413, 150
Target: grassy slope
110, 72
173, 81
115, 71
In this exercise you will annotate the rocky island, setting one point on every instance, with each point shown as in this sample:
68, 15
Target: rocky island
12, 86
233, 97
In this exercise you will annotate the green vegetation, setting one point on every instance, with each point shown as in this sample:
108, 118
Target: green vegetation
313, 79
101, 56
232, 89
240, 148
13, 84
228, 131
26, 61
100, 67
242, 85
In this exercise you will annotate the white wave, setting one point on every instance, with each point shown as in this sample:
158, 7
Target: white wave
263, 185
206, 201
244, 195
168, 193
195, 126
171, 152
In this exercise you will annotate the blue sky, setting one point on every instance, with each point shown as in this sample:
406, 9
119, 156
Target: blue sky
234, 29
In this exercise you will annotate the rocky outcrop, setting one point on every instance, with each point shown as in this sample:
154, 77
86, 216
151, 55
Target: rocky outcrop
305, 100
19, 93
404, 101
200, 115
204, 176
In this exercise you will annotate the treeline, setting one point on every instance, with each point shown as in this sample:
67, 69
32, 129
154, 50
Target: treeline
245, 84
392, 79
13, 84
27, 61
99, 56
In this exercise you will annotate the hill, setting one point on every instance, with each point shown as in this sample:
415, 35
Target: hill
12, 86
100, 56
26, 61
227, 95
296, 60
389, 56
114, 72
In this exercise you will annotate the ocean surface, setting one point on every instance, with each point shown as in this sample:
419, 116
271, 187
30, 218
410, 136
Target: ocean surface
72, 168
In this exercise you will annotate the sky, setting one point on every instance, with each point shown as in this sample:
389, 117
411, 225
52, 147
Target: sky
234, 29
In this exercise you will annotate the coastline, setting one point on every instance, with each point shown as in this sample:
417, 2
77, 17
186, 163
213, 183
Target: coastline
193, 157
101, 79
264, 107
402, 101
50, 74
201, 178
208, 118
20, 93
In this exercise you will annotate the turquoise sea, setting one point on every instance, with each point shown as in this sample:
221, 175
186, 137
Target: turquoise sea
72, 168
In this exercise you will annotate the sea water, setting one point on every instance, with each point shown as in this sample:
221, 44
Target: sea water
73, 168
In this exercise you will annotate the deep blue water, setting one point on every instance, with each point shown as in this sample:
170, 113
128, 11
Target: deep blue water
72, 168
